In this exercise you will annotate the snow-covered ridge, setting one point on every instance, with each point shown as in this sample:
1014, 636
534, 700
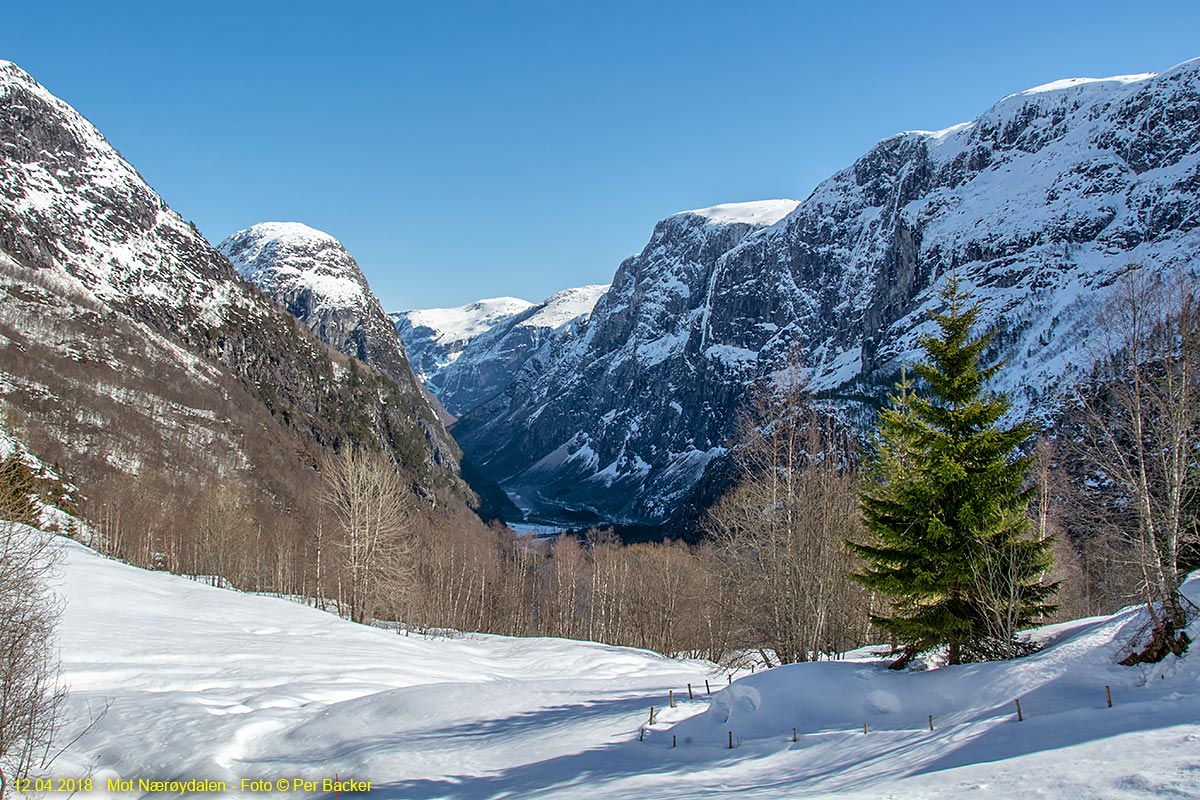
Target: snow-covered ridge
1080, 90
45, 186
463, 323
561, 307
1071, 83
468, 354
757, 212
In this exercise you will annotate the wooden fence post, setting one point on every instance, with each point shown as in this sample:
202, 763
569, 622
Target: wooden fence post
730, 740
1020, 718
672, 740
1108, 695
864, 727
730, 676
651, 715
707, 688
690, 695
671, 697
793, 734
641, 734
931, 722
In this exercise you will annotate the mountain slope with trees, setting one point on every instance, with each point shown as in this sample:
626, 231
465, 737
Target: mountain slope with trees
133, 353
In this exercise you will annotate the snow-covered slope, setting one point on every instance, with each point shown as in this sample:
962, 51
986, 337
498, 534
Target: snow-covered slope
1036, 204
488, 344
435, 337
212, 684
314, 277
128, 343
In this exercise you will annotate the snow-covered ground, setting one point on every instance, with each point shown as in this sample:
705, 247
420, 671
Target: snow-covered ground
213, 684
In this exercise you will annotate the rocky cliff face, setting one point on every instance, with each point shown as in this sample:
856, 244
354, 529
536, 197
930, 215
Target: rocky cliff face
131, 344
1036, 204
588, 416
316, 280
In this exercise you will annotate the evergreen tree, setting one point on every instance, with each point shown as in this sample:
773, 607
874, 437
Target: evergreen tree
944, 499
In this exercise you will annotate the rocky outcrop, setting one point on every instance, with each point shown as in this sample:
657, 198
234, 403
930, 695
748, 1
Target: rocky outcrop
1036, 205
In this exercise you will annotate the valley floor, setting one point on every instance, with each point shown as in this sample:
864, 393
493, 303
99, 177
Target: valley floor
205, 683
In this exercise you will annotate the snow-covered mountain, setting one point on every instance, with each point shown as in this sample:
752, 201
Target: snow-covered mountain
127, 342
316, 280
435, 337
1036, 204
496, 348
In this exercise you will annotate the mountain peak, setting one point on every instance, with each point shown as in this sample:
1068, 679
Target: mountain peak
290, 231
287, 257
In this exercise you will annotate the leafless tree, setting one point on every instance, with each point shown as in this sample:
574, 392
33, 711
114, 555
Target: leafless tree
31, 694
781, 531
373, 507
1139, 436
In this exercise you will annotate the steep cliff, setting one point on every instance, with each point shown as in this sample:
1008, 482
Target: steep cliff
1037, 204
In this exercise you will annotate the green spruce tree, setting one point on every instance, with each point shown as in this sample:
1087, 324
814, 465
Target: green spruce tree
943, 496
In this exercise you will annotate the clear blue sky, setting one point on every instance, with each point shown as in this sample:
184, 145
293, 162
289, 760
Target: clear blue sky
472, 149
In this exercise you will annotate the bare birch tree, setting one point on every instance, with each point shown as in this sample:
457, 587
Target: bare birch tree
782, 530
1139, 436
373, 507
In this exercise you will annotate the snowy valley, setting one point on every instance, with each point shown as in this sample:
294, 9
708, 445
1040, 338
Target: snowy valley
268, 516
205, 683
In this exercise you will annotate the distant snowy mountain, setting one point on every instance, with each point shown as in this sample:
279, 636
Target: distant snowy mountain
487, 344
316, 280
1036, 204
435, 337
128, 344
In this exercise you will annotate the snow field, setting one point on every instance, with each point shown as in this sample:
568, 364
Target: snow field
205, 683
209, 683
